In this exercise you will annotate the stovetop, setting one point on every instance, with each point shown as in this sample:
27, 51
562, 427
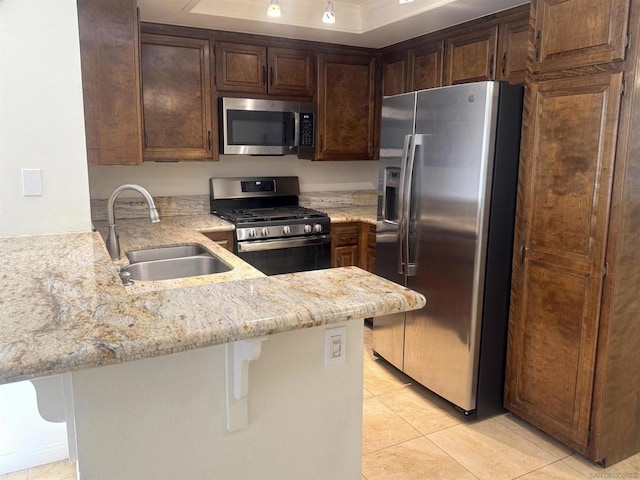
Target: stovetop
265, 208
245, 215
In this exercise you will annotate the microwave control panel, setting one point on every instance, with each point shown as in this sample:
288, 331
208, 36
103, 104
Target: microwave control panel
306, 129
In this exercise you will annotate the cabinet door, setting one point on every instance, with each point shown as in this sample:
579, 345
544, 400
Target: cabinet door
561, 225
291, 72
394, 74
470, 57
109, 43
346, 107
573, 33
344, 244
241, 68
425, 66
512, 51
367, 242
176, 88
345, 256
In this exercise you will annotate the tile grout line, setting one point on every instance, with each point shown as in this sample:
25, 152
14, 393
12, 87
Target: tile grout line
453, 459
539, 446
545, 466
392, 445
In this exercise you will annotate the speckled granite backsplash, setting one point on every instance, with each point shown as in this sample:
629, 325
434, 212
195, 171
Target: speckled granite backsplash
167, 207
353, 198
199, 204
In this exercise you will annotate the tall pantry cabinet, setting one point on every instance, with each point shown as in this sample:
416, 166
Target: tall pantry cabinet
573, 363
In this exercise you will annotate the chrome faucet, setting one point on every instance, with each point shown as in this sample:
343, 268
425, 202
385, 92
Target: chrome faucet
113, 244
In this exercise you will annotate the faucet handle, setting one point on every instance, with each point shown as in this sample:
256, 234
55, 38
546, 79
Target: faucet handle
125, 276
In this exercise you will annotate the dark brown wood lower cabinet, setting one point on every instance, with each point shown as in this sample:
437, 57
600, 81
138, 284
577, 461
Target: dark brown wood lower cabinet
353, 244
368, 247
344, 244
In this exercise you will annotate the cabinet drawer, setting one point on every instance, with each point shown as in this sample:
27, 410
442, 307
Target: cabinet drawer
345, 236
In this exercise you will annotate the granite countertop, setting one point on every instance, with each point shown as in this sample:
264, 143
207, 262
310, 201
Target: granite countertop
367, 214
63, 307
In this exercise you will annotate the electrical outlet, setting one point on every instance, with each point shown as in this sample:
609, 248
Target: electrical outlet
335, 344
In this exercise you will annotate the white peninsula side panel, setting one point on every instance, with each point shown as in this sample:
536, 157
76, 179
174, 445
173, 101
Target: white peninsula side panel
165, 417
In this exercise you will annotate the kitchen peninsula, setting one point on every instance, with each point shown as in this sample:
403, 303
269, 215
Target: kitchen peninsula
201, 412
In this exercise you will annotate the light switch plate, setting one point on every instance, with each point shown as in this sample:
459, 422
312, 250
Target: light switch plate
31, 182
335, 345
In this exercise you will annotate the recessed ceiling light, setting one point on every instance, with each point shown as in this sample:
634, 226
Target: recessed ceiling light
329, 15
273, 10
405, 1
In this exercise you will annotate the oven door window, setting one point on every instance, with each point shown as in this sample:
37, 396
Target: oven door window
255, 128
289, 259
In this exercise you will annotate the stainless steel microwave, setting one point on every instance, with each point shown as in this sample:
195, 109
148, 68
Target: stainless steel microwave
266, 127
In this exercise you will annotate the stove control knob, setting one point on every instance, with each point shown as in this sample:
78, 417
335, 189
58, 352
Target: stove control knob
317, 228
252, 232
265, 232
307, 229
286, 230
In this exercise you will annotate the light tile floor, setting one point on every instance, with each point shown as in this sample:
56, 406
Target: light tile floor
411, 434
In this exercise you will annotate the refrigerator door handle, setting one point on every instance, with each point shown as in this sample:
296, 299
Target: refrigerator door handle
411, 261
402, 195
409, 266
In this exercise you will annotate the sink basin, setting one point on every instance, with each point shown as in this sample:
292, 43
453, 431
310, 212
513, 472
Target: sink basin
165, 263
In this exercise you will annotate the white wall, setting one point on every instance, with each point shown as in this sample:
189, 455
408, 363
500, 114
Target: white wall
192, 178
41, 126
164, 418
41, 118
26, 439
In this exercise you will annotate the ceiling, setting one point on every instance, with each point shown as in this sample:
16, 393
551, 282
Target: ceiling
365, 23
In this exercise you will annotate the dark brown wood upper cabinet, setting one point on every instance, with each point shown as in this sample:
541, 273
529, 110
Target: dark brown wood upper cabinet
109, 43
574, 33
562, 219
394, 74
291, 72
242, 68
513, 38
346, 107
425, 66
176, 85
471, 57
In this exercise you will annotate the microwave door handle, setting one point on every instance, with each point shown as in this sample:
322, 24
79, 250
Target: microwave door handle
296, 130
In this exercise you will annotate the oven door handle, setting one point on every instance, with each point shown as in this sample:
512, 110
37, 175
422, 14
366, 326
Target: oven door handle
263, 245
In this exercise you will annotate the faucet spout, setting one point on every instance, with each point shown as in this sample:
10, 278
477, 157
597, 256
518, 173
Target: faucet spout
113, 244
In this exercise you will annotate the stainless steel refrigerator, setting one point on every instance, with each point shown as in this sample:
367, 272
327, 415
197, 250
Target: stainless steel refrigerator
446, 208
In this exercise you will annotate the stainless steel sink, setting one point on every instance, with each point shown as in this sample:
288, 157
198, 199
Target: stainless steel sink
165, 253
165, 263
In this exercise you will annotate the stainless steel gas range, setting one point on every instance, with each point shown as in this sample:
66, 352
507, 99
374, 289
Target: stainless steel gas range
273, 233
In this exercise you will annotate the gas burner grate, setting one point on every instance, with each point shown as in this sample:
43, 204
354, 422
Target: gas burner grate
269, 214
